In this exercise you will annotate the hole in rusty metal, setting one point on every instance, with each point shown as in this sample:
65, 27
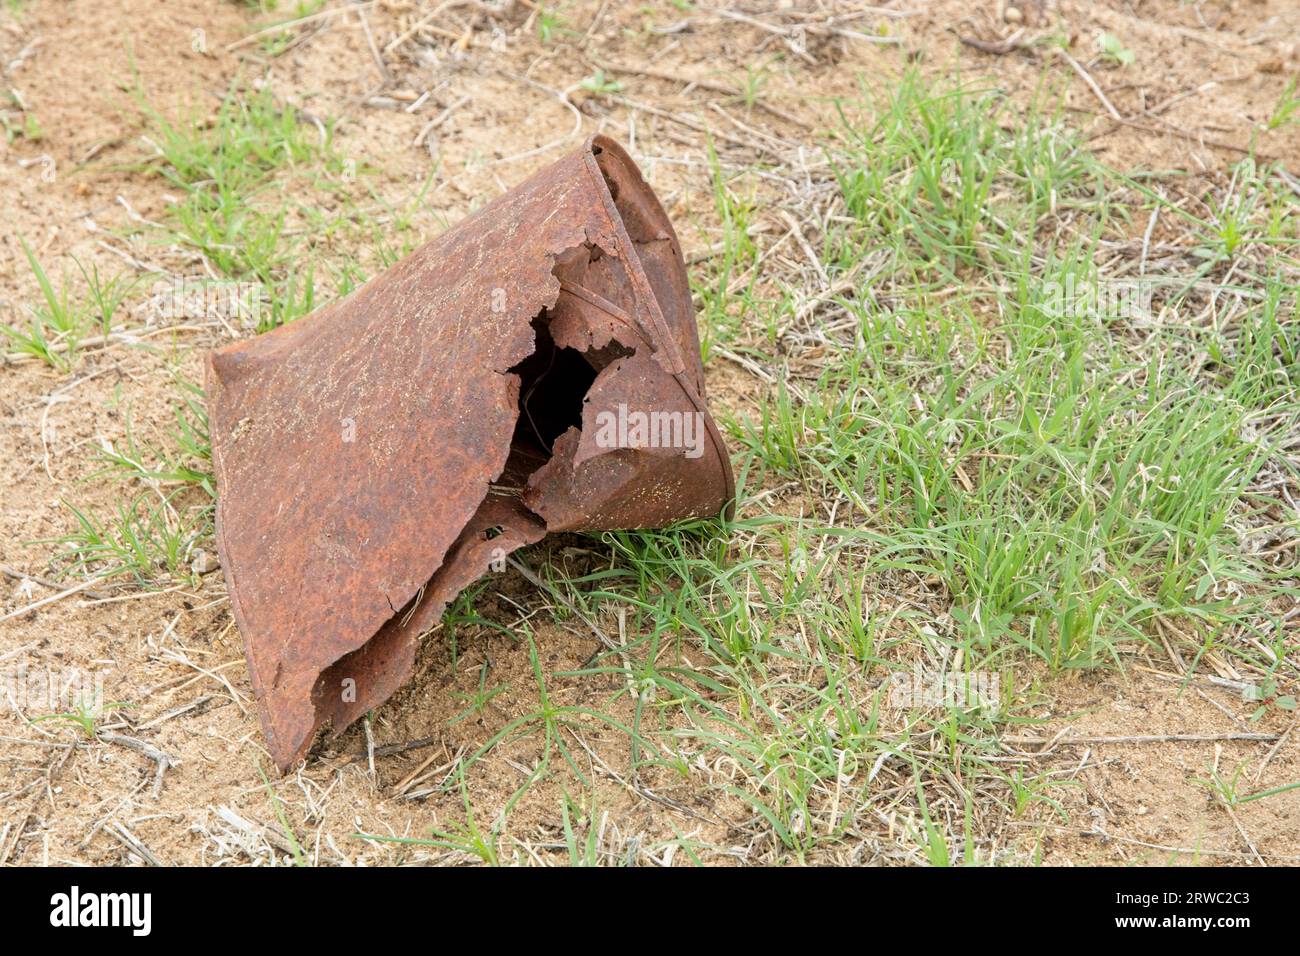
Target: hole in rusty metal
553, 382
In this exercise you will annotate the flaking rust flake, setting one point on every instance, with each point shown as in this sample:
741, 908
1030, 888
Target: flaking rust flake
535, 368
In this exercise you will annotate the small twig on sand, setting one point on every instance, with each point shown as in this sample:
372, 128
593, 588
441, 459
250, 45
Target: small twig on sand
563, 97
1092, 84
786, 35
37, 579
129, 840
1250, 844
1104, 836
438, 120
1138, 739
291, 24
16, 834
424, 23
77, 588
1268, 758
997, 47
176, 712
163, 761
724, 89
1247, 150
386, 76
19, 651
370, 748
388, 750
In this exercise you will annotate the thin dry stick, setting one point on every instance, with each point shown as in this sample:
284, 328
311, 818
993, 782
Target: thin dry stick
388, 750
438, 120
1274, 749
137, 596
291, 24
139, 746
97, 341
1244, 835
595, 21
37, 579
563, 97
1248, 150
683, 121
51, 773
1103, 835
419, 774
1141, 739
406, 781
18, 651
786, 35
98, 824
28, 742
1000, 47
537, 582
176, 712
1092, 84
129, 840
237, 697
370, 42
50, 600
632, 70
797, 232
423, 22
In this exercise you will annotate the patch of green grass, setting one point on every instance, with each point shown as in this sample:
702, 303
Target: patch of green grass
164, 517
601, 85
55, 327
954, 460
266, 198
62, 321
948, 178
188, 465
1227, 789
479, 700
1113, 50
149, 537
1066, 486
549, 23
277, 43
27, 128
1287, 109
751, 89
549, 719
467, 837
300, 857
223, 166
86, 715
106, 295
249, 178
582, 850
726, 291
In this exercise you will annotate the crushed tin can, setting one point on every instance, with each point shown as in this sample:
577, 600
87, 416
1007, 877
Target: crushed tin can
535, 368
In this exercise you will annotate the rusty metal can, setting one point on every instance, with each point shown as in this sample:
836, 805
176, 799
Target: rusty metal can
535, 368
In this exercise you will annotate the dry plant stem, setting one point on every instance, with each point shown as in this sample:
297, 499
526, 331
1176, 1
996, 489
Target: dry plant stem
1066, 738
43, 582
1091, 83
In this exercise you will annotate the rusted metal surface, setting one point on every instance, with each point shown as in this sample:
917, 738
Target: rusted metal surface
535, 368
